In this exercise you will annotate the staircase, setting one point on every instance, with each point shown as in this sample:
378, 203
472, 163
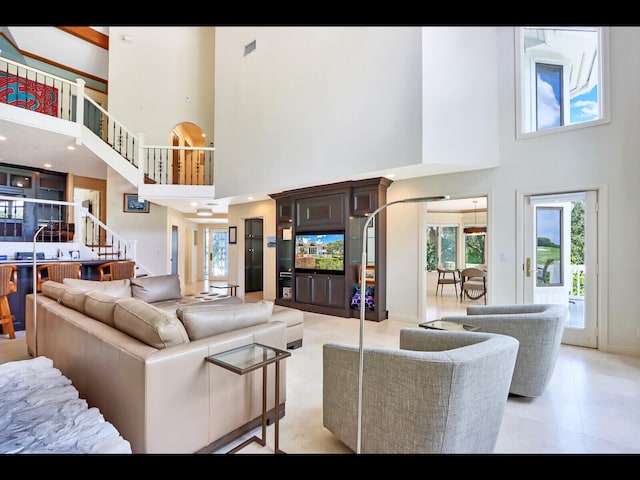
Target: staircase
150, 169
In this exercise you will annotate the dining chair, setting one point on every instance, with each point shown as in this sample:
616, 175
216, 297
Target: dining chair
57, 272
473, 284
443, 279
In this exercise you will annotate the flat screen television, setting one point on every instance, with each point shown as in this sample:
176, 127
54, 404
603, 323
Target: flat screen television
320, 252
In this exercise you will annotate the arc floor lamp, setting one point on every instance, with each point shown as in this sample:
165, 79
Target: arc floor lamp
362, 303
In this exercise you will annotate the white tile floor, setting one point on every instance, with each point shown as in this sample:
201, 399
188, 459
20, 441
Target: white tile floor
591, 406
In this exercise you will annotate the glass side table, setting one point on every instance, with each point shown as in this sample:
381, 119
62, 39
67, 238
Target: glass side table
246, 359
447, 325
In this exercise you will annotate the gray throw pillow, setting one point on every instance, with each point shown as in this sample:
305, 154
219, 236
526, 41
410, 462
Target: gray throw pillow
156, 289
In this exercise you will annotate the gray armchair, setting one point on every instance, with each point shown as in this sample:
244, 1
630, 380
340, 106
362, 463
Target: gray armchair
538, 328
440, 392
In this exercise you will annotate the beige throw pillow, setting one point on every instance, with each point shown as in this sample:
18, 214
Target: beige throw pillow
209, 319
100, 306
115, 288
148, 323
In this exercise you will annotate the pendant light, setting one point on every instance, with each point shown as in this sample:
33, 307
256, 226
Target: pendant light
475, 229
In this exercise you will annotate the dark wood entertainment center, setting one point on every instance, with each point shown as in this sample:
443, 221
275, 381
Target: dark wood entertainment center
332, 209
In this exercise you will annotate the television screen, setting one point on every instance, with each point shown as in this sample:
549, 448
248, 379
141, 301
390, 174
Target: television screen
320, 252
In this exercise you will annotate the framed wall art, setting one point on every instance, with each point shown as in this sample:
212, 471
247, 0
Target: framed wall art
132, 204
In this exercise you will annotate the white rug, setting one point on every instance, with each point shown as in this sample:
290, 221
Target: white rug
41, 412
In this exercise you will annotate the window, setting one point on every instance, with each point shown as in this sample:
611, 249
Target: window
441, 247
559, 78
474, 249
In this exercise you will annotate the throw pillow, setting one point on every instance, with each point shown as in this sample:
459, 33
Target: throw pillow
156, 289
74, 298
115, 288
213, 318
100, 306
148, 324
53, 289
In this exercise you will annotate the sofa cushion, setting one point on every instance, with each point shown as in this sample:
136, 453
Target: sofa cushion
213, 318
148, 323
53, 289
156, 289
74, 298
100, 306
115, 288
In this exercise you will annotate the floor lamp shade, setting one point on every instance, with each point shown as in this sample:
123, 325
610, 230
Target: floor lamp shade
362, 304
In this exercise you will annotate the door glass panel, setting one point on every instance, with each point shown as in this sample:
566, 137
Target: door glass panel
219, 264
548, 242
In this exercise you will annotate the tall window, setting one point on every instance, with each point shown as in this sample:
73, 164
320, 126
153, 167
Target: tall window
441, 247
560, 77
474, 249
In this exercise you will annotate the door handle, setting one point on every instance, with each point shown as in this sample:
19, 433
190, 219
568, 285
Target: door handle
528, 267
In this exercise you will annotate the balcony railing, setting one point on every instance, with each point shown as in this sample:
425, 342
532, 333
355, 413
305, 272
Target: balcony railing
29, 88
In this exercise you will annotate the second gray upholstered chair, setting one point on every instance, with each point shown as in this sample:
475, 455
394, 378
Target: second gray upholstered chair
440, 392
538, 328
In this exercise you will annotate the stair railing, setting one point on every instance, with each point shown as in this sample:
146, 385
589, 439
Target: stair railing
165, 165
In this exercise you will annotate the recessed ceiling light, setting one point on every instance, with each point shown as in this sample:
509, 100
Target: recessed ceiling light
47, 165
2, 138
391, 175
249, 198
194, 204
70, 147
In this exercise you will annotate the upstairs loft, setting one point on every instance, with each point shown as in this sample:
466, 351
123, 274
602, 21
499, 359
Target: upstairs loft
35, 104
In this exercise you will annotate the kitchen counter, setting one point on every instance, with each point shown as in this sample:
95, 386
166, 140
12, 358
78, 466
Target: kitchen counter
25, 282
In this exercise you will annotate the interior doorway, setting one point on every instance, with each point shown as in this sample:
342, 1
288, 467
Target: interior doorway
456, 238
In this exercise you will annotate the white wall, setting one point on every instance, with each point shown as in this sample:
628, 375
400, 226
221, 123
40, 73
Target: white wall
460, 96
603, 155
162, 77
314, 105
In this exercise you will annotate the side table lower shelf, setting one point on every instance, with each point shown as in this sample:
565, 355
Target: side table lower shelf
245, 359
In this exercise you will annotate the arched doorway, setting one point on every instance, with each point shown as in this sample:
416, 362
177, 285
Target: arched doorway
187, 166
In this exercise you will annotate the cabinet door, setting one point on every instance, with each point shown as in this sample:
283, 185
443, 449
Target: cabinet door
334, 287
304, 288
365, 200
325, 211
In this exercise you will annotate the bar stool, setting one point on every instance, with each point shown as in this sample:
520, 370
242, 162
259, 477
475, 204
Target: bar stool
117, 270
57, 272
8, 285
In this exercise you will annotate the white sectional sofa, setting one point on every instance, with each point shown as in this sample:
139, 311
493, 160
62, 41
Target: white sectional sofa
145, 368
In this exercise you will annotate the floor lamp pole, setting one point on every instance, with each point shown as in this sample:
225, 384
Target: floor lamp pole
363, 277
35, 283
